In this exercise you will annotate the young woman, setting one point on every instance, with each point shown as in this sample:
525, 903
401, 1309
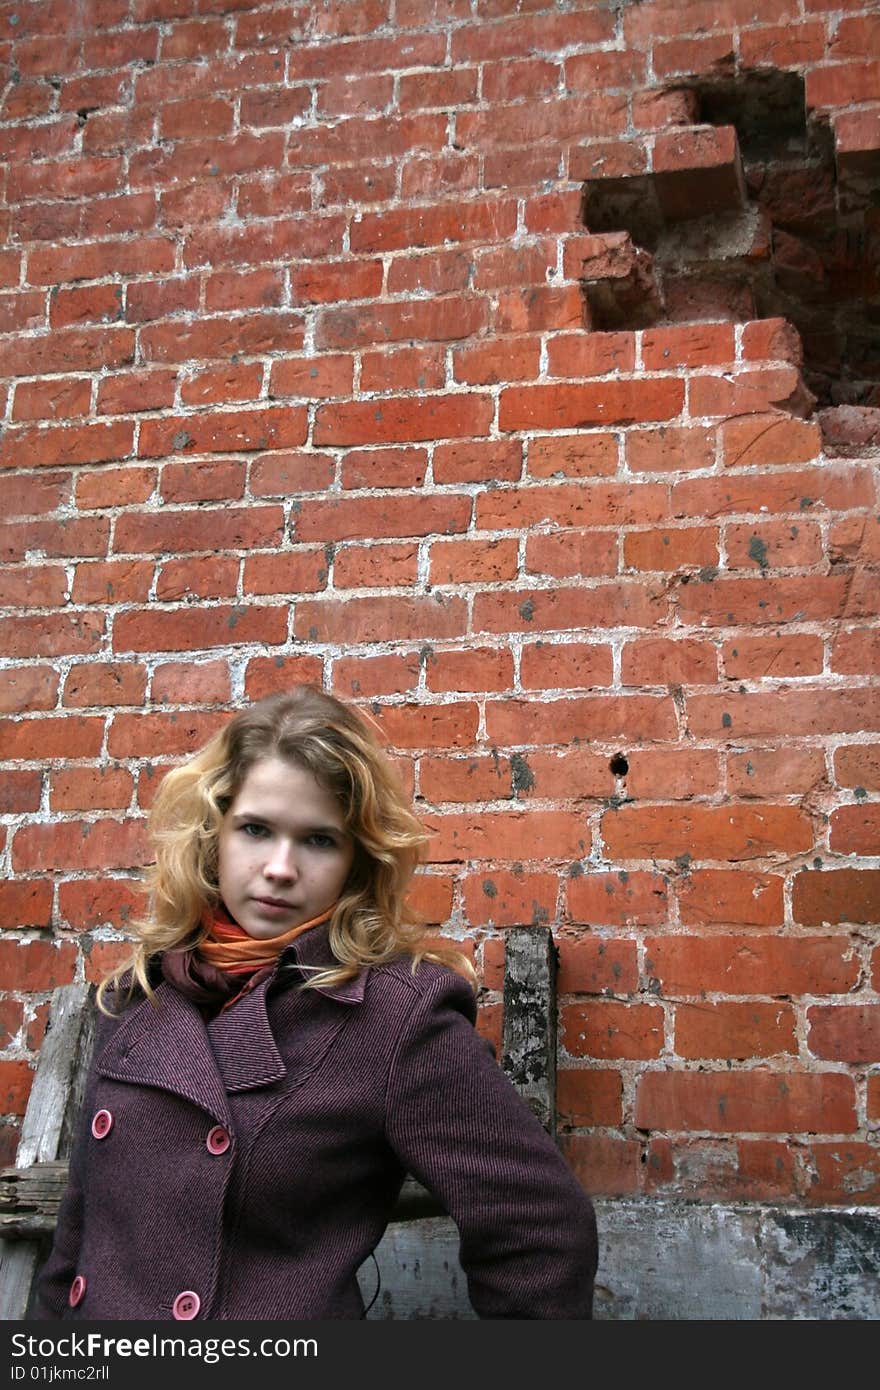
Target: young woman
282, 1049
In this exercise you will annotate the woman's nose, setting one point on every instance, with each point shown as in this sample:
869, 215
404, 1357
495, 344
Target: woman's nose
281, 862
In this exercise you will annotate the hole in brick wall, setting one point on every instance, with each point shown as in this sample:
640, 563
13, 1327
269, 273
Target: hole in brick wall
772, 224
619, 765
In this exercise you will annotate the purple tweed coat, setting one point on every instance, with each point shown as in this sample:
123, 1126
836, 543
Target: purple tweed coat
244, 1168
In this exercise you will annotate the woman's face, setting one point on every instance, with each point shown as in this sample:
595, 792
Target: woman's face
284, 852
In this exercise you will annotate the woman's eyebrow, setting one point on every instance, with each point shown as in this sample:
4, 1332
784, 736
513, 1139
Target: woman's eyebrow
241, 817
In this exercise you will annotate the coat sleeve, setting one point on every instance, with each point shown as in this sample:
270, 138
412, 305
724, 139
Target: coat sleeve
528, 1230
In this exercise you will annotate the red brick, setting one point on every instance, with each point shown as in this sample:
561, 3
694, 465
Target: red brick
476, 668
604, 1165
404, 369
223, 384
265, 675
277, 475
105, 683
657, 661
87, 304
252, 334
351, 96
753, 658
770, 772
25, 904
286, 572
751, 965
611, 402
560, 721
112, 581
873, 1105
589, 1098
776, 340
546, 308
248, 289
593, 965
735, 1031
505, 898
90, 789
15, 1086
857, 652
403, 419
569, 665
529, 263
173, 531
572, 455
476, 461
205, 576
490, 221
64, 736
844, 1173
504, 359
610, 1030
856, 829
20, 791
54, 538
437, 272
589, 354
185, 120
139, 735
725, 602
214, 482
272, 193
33, 688
87, 903
736, 1102
439, 319
565, 554
52, 400
379, 619
544, 610
359, 184
22, 312
845, 1033
706, 832
473, 561
840, 489
135, 391
384, 468
788, 712
193, 204
102, 844
692, 55
93, 261
157, 299
426, 726
376, 675
194, 629
333, 282
50, 445
843, 84
511, 835
376, 566
776, 545
473, 779
858, 766
11, 1020
688, 345
832, 897
312, 378
188, 682
618, 899
569, 504
679, 773
374, 517
748, 1169
37, 586
659, 110
557, 774
56, 634
291, 238
794, 45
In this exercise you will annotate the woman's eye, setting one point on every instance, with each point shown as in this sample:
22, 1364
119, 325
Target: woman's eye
322, 841
252, 829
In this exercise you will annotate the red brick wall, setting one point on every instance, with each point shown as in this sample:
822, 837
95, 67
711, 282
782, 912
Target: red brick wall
302, 379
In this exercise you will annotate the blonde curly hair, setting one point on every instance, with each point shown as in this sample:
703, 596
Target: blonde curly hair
371, 922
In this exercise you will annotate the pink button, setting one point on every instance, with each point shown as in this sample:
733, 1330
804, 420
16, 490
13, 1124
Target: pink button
102, 1124
77, 1291
218, 1140
186, 1306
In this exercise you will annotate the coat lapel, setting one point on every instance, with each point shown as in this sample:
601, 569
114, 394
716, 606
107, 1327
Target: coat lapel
166, 1045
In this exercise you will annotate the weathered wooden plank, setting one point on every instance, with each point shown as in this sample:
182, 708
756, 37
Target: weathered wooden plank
30, 1198
529, 1031
49, 1125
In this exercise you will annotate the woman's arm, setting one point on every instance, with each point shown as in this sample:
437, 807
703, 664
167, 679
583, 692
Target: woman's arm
528, 1230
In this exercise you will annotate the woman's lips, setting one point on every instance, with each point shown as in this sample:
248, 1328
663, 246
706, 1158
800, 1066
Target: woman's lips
273, 907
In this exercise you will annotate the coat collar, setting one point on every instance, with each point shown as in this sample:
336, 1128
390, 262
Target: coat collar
169, 1045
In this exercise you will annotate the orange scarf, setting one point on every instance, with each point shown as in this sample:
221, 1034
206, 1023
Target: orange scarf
228, 946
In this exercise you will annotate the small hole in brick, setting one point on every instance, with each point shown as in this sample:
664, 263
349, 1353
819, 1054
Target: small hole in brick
619, 765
